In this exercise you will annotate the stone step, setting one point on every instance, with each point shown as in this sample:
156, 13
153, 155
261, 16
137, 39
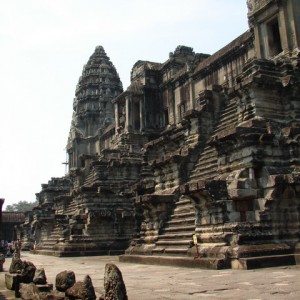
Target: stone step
162, 242
266, 261
75, 252
211, 238
229, 109
225, 125
176, 251
208, 150
180, 228
183, 202
206, 174
47, 243
190, 213
207, 157
89, 178
180, 221
182, 235
211, 245
44, 248
206, 161
173, 250
229, 113
183, 209
204, 166
228, 118
188, 262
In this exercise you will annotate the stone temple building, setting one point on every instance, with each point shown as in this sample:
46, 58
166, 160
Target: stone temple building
199, 148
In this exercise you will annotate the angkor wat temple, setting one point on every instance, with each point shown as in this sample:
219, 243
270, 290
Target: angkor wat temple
199, 144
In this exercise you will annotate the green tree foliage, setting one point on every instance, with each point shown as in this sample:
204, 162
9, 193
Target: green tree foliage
21, 206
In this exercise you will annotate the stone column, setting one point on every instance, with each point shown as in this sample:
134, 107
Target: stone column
294, 32
192, 94
127, 116
172, 110
141, 103
283, 30
257, 41
117, 117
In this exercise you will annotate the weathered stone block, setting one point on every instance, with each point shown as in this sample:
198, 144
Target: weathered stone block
40, 276
29, 291
64, 280
12, 281
114, 286
82, 290
28, 272
239, 194
16, 265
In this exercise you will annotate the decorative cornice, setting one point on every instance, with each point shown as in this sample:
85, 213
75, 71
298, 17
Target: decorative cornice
256, 5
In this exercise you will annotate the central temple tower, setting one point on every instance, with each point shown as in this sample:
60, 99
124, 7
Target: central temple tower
92, 106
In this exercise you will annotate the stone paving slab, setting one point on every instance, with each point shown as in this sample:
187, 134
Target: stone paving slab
151, 282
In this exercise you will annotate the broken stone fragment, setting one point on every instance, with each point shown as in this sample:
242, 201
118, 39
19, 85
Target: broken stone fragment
28, 272
82, 290
29, 291
12, 281
16, 265
114, 286
64, 280
40, 276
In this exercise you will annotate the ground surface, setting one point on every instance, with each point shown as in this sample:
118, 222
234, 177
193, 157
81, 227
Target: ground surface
149, 282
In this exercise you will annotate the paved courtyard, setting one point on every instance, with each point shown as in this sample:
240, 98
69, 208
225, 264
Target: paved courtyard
149, 282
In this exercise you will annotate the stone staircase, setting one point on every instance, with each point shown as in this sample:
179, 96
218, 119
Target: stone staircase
47, 247
177, 236
71, 208
89, 179
228, 118
175, 245
207, 165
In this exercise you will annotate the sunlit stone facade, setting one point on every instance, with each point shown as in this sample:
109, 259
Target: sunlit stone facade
199, 144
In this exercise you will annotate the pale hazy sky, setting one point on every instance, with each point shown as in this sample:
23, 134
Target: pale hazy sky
43, 47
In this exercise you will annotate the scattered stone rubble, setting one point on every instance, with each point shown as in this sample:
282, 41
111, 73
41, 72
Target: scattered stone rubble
30, 283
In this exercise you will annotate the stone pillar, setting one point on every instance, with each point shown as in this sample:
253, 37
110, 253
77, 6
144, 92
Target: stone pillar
172, 110
117, 117
128, 120
141, 103
293, 10
283, 30
258, 49
192, 94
